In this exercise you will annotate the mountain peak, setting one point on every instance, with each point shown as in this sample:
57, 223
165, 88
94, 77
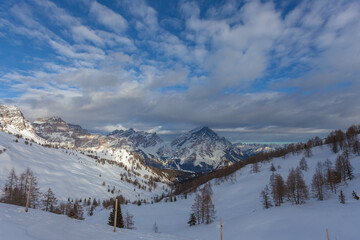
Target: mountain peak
13, 121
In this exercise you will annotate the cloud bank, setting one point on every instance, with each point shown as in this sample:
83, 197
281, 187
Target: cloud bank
258, 69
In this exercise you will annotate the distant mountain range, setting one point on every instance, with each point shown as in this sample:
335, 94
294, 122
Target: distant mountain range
199, 150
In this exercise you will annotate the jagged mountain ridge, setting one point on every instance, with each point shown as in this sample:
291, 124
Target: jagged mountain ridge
199, 150
254, 148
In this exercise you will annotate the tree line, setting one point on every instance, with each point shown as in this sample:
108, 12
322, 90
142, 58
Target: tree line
203, 209
326, 178
337, 140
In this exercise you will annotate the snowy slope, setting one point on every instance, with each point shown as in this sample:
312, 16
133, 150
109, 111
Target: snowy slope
15, 224
240, 207
237, 202
13, 121
72, 174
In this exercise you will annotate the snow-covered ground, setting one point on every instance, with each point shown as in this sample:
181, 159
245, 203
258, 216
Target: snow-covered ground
70, 173
237, 203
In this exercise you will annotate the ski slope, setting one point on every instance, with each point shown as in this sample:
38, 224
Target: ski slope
237, 202
69, 173
239, 205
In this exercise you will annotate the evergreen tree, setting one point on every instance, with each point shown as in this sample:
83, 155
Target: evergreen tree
76, 210
119, 218
342, 197
192, 220
355, 196
272, 168
90, 210
265, 195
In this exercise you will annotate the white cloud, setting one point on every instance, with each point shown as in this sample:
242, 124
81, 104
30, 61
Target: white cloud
108, 17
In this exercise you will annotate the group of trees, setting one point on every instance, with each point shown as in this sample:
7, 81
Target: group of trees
326, 178
126, 221
294, 189
16, 189
337, 140
203, 209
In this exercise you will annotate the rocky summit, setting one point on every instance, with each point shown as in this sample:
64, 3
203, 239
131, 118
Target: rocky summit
199, 150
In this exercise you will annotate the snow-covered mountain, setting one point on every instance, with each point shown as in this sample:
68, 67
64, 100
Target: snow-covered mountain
253, 148
237, 202
200, 150
13, 121
74, 174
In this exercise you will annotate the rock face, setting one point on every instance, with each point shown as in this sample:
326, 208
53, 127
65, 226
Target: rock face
200, 150
137, 139
56, 130
13, 121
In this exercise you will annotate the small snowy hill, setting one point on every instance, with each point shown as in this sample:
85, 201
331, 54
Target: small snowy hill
72, 174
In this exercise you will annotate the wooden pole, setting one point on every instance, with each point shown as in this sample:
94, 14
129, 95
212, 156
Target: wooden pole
327, 233
28, 196
115, 217
221, 229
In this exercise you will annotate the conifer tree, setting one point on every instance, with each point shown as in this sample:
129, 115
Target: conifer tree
355, 196
192, 220
119, 218
342, 197
272, 168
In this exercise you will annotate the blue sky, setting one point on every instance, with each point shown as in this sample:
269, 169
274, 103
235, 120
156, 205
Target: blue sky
252, 70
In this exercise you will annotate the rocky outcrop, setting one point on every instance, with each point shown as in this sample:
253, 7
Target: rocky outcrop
13, 121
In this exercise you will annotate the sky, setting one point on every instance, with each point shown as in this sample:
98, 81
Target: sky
250, 70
